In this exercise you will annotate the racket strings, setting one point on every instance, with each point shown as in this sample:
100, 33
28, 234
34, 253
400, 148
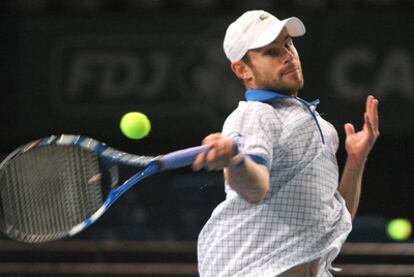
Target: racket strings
47, 190
82, 201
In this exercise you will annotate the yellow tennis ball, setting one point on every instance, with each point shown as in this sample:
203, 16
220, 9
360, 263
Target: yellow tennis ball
135, 125
399, 229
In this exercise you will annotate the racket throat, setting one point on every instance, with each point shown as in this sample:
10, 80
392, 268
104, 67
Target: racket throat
85, 224
116, 193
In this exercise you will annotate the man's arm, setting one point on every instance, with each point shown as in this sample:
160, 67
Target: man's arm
248, 178
358, 146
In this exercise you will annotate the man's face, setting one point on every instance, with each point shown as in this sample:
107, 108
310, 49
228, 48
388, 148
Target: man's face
276, 66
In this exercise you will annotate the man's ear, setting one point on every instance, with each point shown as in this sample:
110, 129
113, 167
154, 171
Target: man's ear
242, 70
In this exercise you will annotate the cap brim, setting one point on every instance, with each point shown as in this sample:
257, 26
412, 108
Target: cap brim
294, 26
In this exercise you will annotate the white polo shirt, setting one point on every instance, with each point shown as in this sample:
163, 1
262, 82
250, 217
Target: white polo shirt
303, 217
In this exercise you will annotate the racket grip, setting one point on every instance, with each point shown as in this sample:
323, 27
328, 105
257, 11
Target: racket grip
180, 158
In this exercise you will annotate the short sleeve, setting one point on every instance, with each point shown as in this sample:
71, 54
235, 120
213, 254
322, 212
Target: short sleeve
252, 126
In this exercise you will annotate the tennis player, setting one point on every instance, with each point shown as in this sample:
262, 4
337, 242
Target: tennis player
285, 214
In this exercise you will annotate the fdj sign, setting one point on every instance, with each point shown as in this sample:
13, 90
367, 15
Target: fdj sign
116, 75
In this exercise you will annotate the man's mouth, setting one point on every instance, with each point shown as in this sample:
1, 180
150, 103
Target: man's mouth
290, 70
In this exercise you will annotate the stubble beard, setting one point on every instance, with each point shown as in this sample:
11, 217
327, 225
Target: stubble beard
285, 88
276, 83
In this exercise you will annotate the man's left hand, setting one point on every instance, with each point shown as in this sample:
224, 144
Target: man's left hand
359, 144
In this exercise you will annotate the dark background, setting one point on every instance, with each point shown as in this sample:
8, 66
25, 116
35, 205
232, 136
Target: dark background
78, 66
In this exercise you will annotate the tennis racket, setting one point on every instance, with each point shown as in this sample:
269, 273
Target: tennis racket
57, 186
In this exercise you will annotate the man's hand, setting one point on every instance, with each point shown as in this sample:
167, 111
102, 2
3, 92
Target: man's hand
359, 144
222, 153
248, 178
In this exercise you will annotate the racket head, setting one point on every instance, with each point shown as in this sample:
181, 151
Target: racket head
50, 185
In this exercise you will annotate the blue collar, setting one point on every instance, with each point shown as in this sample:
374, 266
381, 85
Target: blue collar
269, 96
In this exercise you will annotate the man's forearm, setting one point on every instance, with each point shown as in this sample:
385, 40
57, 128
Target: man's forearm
350, 185
250, 180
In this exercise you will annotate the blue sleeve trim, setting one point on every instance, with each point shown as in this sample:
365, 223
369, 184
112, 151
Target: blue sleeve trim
259, 160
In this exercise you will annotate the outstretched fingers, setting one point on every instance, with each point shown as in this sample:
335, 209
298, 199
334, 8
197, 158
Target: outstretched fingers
371, 119
349, 129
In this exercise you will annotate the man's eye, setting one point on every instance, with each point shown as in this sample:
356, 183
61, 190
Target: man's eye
272, 52
288, 43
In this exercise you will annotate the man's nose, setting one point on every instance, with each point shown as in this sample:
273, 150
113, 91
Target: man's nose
288, 55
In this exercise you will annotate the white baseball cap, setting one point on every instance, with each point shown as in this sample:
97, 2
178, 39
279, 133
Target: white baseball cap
255, 29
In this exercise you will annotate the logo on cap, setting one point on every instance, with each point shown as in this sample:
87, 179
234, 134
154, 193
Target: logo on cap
263, 17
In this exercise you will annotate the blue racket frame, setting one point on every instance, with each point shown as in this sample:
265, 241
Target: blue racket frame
173, 160
110, 156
